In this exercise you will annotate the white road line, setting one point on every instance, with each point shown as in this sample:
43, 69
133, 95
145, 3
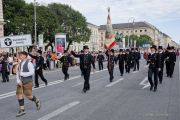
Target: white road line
144, 83
81, 83
78, 84
147, 85
135, 72
115, 82
9, 94
59, 111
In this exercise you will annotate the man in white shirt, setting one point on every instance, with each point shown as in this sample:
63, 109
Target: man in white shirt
25, 72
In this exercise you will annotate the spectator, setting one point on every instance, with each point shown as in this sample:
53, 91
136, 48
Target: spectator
5, 69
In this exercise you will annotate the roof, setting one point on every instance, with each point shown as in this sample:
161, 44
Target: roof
92, 24
127, 25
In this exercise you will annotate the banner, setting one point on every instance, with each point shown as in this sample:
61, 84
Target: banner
134, 43
60, 43
40, 42
16, 41
123, 42
110, 37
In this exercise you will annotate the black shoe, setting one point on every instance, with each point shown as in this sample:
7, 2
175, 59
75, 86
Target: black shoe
88, 89
121, 74
160, 82
36, 86
68, 77
155, 89
20, 113
38, 104
84, 90
151, 88
46, 83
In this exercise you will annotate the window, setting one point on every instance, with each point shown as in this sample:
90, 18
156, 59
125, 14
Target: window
145, 30
140, 30
135, 30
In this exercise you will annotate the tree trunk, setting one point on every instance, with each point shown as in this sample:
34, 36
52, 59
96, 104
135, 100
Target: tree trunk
69, 45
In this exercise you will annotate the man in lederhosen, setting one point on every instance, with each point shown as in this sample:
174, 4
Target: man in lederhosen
39, 68
100, 59
24, 75
66, 61
110, 65
161, 57
121, 59
86, 59
154, 67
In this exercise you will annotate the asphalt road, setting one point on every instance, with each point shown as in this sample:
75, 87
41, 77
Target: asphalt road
127, 98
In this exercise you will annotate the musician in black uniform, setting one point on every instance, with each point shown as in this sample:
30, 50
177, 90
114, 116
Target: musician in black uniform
137, 57
100, 59
86, 59
121, 59
162, 58
167, 62
127, 61
154, 67
81, 64
110, 66
39, 68
172, 61
66, 61
132, 54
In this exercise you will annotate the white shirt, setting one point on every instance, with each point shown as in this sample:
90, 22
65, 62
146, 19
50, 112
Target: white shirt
24, 74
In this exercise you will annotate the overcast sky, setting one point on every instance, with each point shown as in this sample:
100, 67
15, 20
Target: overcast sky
164, 14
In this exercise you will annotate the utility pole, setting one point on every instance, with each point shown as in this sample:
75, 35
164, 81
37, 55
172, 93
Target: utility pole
35, 23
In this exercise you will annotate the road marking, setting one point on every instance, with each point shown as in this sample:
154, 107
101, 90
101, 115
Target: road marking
78, 84
115, 82
59, 111
135, 71
9, 94
144, 83
81, 83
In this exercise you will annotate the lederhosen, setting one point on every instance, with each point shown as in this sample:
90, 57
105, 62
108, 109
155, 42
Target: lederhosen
27, 82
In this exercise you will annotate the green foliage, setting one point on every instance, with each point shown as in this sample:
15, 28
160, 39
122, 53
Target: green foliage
118, 37
51, 19
140, 40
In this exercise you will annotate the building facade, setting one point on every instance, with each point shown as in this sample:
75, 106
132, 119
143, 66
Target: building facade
1, 20
138, 28
93, 42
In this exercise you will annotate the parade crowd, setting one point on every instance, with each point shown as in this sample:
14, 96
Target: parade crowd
28, 64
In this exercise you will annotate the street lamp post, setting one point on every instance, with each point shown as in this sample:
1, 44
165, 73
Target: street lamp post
35, 24
132, 18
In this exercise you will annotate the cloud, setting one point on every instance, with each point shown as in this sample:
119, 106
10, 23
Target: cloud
153, 11
122, 10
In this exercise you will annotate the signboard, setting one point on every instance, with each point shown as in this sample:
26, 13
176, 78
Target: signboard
40, 38
60, 43
16, 41
123, 42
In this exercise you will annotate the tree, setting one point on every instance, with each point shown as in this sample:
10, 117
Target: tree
140, 40
71, 22
144, 39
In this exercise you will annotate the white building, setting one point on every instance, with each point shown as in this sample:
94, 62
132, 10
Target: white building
93, 43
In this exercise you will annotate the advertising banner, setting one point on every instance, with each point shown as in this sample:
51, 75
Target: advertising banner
60, 43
